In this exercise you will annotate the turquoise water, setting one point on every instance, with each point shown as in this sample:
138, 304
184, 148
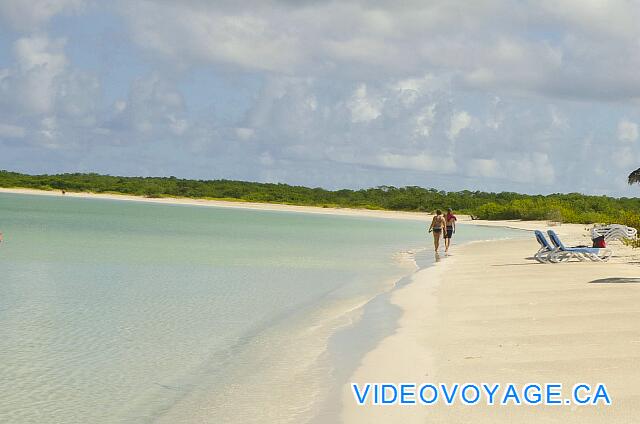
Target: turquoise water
123, 312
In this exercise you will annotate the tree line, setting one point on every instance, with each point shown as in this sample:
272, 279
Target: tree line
571, 207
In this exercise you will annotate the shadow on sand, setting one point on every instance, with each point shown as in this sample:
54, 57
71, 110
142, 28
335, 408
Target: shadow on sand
531, 261
616, 280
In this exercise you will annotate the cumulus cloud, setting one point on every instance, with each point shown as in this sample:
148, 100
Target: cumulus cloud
424, 121
43, 93
418, 162
154, 108
363, 108
196, 32
459, 121
484, 168
530, 168
561, 54
41, 82
40, 61
452, 93
411, 88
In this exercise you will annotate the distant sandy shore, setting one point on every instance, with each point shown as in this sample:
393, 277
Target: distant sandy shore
490, 314
416, 216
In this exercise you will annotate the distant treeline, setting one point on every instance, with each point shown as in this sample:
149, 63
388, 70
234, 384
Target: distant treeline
572, 207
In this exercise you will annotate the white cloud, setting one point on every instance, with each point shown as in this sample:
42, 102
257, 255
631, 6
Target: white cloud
40, 52
193, 32
154, 107
614, 18
407, 137
483, 168
530, 168
459, 121
627, 131
40, 61
41, 84
288, 107
576, 49
496, 116
363, 107
338, 93
424, 121
419, 162
411, 89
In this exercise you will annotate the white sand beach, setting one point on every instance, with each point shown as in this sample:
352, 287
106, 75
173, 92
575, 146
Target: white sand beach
490, 314
229, 204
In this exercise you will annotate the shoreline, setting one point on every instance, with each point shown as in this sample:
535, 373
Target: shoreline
279, 207
276, 207
380, 318
490, 314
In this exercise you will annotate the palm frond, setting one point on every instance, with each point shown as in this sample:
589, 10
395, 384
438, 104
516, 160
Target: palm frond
634, 177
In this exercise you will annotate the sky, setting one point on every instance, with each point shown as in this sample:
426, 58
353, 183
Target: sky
494, 95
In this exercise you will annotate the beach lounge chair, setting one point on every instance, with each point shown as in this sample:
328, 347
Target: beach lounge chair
546, 249
561, 252
614, 232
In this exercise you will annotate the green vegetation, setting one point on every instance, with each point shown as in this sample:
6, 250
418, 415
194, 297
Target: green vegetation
572, 207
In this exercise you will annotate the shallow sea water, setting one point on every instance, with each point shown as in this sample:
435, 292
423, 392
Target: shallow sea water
125, 312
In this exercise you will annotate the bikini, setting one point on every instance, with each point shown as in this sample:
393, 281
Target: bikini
437, 229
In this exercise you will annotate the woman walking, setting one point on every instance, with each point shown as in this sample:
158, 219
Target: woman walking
451, 229
438, 223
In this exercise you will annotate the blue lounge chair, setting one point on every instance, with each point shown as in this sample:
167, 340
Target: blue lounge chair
543, 254
561, 252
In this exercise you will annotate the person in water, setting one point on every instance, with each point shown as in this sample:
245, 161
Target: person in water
438, 224
450, 220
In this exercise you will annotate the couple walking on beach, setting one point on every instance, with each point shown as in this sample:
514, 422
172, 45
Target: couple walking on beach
438, 224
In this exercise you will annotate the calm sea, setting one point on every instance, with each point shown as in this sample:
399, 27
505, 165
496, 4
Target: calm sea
123, 312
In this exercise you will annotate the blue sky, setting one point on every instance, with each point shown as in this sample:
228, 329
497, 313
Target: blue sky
496, 95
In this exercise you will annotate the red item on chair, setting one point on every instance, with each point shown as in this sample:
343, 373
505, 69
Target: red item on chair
599, 242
